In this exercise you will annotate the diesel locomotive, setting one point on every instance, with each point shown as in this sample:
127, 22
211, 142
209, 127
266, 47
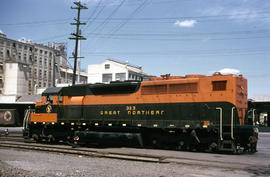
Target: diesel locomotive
192, 112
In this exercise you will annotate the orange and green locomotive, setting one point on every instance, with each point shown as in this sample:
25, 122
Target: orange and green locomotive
186, 112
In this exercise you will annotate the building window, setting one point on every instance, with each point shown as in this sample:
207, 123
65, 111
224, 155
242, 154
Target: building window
45, 61
107, 66
106, 78
8, 53
20, 55
40, 51
120, 76
40, 73
40, 61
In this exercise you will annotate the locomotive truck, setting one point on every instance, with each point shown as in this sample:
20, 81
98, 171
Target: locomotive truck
192, 112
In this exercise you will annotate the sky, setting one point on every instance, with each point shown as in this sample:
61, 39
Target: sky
176, 37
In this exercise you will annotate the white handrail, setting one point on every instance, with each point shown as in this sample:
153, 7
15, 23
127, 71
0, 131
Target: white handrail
232, 123
253, 116
220, 122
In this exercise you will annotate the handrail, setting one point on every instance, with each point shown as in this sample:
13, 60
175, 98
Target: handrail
253, 117
232, 123
220, 122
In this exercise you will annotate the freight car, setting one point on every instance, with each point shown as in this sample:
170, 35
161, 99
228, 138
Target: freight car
12, 114
192, 112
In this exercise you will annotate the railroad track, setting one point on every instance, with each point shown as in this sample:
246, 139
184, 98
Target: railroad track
63, 149
16, 141
14, 137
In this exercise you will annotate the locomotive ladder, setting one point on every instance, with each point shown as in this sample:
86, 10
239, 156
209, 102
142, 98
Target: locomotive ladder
26, 121
226, 144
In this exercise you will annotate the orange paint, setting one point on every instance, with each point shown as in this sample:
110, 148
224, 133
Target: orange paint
174, 89
43, 117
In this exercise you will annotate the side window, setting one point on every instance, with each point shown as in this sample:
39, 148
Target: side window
219, 85
50, 99
60, 99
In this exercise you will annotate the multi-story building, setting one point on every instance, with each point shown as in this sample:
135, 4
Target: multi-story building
112, 70
16, 59
26, 66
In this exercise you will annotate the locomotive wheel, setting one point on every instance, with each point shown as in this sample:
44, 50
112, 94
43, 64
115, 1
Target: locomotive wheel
253, 147
155, 143
51, 138
69, 140
35, 137
180, 145
212, 147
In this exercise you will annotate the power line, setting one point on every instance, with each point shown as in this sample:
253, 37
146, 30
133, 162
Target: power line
107, 19
193, 53
129, 18
243, 32
193, 17
184, 34
36, 22
59, 21
185, 39
92, 14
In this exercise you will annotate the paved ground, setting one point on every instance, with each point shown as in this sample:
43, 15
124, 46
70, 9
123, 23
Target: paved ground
23, 163
187, 164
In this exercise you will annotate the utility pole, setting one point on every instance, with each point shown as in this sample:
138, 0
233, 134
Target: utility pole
77, 36
79, 59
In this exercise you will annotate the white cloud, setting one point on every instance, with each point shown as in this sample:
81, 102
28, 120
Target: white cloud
1, 32
229, 71
185, 23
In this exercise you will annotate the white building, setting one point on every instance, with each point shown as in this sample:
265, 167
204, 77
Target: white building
111, 70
